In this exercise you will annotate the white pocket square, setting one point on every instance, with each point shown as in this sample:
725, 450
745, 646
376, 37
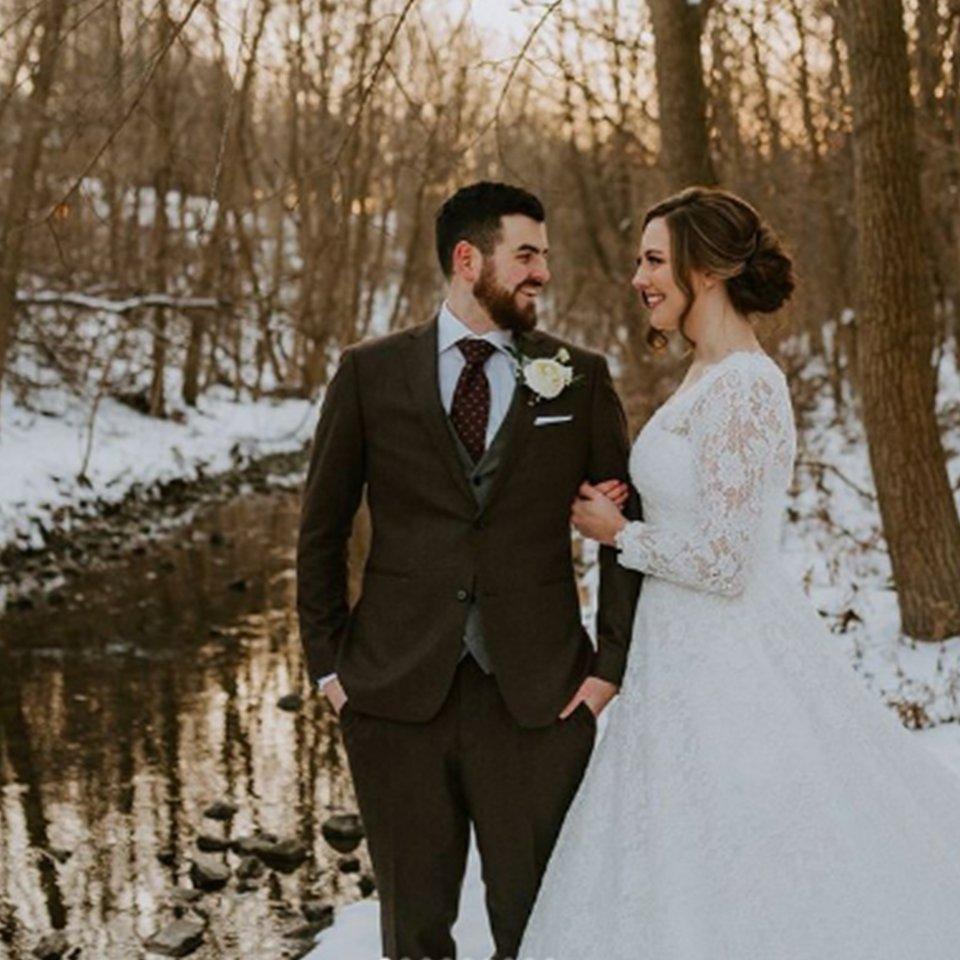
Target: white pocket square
543, 421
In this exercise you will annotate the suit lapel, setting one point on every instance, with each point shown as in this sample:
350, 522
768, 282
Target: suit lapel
424, 382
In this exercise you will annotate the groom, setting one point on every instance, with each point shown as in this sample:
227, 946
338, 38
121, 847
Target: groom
466, 686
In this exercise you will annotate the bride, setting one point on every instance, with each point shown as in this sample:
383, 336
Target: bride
749, 799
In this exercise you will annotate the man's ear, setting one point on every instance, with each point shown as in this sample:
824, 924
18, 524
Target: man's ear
467, 261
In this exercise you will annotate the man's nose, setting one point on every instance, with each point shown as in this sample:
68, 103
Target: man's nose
540, 273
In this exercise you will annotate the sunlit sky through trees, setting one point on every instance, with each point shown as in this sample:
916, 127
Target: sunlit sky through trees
584, 33
504, 23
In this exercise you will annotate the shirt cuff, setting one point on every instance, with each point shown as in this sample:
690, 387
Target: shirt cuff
324, 679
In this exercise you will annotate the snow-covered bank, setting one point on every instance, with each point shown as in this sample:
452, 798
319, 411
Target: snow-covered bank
70, 447
834, 542
43, 446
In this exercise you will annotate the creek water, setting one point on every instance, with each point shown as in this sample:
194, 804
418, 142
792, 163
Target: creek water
139, 695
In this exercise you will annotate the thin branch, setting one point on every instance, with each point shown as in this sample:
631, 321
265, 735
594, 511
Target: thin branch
368, 90
818, 466
86, 302
128, 112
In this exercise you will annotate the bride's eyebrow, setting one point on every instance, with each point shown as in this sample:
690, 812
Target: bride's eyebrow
646, 253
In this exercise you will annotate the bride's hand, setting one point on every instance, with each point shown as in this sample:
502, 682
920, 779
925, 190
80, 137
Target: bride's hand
595, 516
615, 490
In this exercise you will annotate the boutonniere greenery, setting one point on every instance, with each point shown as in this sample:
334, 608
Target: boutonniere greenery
545, 377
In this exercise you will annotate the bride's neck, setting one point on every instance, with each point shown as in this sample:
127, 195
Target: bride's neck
718, 330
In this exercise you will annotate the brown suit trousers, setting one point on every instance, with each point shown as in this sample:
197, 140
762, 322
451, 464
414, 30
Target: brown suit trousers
420, 785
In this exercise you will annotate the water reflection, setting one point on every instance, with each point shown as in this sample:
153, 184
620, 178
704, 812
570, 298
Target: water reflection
127, 706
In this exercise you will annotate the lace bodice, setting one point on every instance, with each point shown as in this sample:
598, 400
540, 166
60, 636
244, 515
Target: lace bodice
712, 467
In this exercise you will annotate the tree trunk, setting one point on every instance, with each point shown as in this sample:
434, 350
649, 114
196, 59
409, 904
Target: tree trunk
113, 186
895, 326
163, 111
685, 147
191, 363
23, 176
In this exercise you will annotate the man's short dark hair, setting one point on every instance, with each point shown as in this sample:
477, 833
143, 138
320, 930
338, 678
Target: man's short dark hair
473, 214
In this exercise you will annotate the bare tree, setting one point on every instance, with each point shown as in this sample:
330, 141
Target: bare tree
685, 144
163, 101
895, 326
25, 171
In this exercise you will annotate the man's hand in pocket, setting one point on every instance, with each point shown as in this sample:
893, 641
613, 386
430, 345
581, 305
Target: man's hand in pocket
335, 693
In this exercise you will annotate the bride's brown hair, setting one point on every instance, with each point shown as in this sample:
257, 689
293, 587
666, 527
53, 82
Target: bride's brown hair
715, 231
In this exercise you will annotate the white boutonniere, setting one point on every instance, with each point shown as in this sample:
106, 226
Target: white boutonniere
545, 377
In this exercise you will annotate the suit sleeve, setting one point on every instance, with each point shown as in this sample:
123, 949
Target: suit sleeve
617, 601
331, 496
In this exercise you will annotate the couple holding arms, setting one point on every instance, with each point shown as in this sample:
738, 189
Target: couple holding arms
748, 800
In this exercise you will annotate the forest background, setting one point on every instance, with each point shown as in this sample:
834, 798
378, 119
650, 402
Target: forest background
224, 193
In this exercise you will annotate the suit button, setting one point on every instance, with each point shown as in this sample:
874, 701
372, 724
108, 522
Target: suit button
462, 595
477, 481
478, 524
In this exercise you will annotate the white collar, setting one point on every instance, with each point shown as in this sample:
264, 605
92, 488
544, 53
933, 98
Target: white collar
451, 328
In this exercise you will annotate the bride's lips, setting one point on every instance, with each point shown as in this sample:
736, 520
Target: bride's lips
652, 300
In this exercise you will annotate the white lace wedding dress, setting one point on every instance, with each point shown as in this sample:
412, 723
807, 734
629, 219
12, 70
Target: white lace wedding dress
749, 800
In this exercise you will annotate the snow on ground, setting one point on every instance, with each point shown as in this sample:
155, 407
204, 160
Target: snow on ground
356, 933
42, 449
68, 445
834, 545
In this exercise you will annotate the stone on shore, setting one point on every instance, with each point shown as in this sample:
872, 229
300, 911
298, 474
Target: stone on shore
211, 844
181, 897
208, 873
343, 831
250, 868
177, 939
251, 845
167, 856
52, 947
283, 855
220, 810
316, 911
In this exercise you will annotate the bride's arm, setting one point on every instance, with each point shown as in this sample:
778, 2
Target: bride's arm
618, 587
738, 429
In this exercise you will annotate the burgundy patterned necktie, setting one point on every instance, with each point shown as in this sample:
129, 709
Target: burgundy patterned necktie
470, 410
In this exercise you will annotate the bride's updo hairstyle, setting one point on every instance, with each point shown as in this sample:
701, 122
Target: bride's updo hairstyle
715, 231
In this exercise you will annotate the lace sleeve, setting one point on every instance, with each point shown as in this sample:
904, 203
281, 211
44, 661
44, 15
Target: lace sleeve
739, 431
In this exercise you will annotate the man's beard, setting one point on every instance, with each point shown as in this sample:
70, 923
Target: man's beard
501, 303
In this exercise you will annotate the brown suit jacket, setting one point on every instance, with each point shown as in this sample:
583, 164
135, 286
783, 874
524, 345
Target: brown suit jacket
382, 425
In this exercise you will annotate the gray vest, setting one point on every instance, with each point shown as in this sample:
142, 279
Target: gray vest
481, 477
